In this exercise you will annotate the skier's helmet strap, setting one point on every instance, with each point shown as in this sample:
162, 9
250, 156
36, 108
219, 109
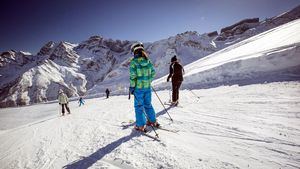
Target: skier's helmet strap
137, 46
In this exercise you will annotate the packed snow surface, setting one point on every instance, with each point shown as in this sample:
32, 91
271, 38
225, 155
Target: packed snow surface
253, 126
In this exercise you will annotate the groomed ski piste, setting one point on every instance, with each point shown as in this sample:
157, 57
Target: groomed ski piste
250, 124
254, 126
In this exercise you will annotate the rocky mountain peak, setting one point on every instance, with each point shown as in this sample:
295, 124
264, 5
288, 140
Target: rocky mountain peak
116, 45
6, 57
188, 33
47, 48
284, 18
95, 37
64, 54
237, 28
98, 43
13, 57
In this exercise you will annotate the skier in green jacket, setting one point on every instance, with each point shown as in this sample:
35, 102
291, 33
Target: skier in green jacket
141, 75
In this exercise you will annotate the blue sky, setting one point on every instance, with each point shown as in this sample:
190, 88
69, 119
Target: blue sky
28, 25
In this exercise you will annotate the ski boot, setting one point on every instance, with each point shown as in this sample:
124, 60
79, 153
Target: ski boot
141, 128
155, 124
175, 103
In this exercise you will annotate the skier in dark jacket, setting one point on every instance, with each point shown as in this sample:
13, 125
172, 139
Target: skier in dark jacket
176, 72
107, 93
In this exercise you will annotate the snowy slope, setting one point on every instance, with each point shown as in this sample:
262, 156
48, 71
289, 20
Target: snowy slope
227, 127
270, 56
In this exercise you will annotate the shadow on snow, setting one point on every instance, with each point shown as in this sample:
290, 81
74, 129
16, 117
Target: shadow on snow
86, 162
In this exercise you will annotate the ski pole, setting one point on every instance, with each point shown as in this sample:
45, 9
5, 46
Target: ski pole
129, 95
156, 134
170, 99
193, 93
162, 103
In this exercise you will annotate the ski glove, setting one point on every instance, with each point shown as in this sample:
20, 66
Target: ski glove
131, 89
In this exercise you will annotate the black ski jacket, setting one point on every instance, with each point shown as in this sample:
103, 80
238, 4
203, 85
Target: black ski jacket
176, 71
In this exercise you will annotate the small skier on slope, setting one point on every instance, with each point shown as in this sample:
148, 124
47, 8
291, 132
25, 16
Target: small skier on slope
63, 101
81, 101
141, 75
176, 71
107, 93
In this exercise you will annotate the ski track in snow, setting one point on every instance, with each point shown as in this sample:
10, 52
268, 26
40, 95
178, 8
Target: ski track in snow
255, 126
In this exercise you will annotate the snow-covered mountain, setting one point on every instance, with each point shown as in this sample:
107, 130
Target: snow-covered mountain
98, 63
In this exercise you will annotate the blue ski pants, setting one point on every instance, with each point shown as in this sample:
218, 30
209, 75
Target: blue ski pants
142, 105
81, 103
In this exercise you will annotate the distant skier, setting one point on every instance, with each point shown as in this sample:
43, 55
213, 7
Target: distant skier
81, 101
107, 93
141, 75
63, 101
176, 71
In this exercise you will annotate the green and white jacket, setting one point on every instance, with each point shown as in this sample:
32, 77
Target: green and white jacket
141, 73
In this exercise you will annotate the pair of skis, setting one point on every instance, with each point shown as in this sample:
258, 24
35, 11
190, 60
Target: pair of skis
126, 125
156, 137
172, 105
